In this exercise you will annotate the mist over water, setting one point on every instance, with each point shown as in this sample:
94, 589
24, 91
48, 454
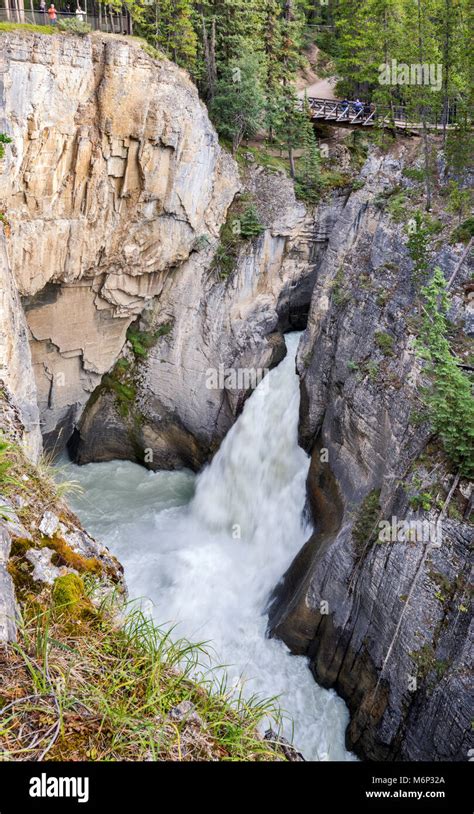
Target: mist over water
207, 552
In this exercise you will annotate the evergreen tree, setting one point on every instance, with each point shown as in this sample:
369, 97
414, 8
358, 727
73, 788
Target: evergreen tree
238, 105
449, 399
168, 26
308, 178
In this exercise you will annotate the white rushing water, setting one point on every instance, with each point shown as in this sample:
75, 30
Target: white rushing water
207, 551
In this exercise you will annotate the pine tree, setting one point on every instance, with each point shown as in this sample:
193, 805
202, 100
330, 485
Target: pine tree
449, 398
168, 26
238, 105
308, 178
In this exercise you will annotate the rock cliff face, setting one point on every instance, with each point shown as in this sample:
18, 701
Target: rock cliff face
113, 174
180, 411
394, 637
16, 370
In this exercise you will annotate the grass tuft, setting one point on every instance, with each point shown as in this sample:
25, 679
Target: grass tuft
84, 688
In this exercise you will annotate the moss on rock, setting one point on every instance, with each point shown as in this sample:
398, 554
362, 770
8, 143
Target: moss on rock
69, 597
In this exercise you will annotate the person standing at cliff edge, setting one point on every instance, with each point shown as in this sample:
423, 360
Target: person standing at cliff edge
52, 14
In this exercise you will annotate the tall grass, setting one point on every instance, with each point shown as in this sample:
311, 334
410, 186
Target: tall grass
95, 690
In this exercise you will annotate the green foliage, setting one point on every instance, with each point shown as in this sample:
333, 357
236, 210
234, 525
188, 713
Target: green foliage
142, 341
237, 108
120, 382
4, 139
459, 150
128, 691
340, 294
250, 225
34, 29
372, 370
365, 528
417, 244
421, 500
463, 232
459, 200
69, 597
426, 662
449, 398
167, 25
414, 173
308, 174
334, 179
370, 33
73, 26
5, 461
385, 342
397, 207
242, 224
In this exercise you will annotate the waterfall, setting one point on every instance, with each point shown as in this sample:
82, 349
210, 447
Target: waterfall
207, 563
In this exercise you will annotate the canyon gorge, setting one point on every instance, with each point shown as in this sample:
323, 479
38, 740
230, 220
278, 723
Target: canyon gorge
114, 192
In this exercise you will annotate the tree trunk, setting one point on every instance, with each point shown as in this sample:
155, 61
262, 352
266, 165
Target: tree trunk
426, 146
209, 45
446, 57
291, 159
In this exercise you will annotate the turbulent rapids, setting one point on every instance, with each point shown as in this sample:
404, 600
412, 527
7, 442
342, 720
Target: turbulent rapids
206, 552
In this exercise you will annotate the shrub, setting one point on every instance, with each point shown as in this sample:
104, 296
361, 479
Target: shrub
417, 245
463, 232
250, 225
340, 294
74, 26
142, 341
459, 200
414, 173
384, 342
242, 224
365, 528
4, 139
397, 207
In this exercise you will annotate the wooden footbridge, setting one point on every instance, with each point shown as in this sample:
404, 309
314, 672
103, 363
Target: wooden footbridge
343, 113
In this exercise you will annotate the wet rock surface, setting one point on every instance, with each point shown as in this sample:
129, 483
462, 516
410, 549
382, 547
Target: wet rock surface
387, 624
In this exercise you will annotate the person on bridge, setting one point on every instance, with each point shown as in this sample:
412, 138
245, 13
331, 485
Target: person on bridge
345, 107
42, 6
52, 14
80, 14
358, 106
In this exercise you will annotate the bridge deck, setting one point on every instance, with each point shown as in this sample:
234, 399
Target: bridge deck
349, 114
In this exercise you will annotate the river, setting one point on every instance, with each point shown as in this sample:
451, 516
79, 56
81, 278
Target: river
204, 552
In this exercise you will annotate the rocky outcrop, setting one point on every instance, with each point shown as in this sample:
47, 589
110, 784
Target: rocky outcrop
16, 371
40, 538
107, 189
385, 623
8, 609
220, 336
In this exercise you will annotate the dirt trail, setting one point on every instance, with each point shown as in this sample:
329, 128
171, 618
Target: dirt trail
322, 88
311, 83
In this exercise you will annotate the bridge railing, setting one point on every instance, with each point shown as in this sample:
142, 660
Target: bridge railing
383, 115
114, 23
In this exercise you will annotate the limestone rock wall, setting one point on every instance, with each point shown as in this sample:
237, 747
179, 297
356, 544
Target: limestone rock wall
233, 325
398, 611
113, 173
16, 369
